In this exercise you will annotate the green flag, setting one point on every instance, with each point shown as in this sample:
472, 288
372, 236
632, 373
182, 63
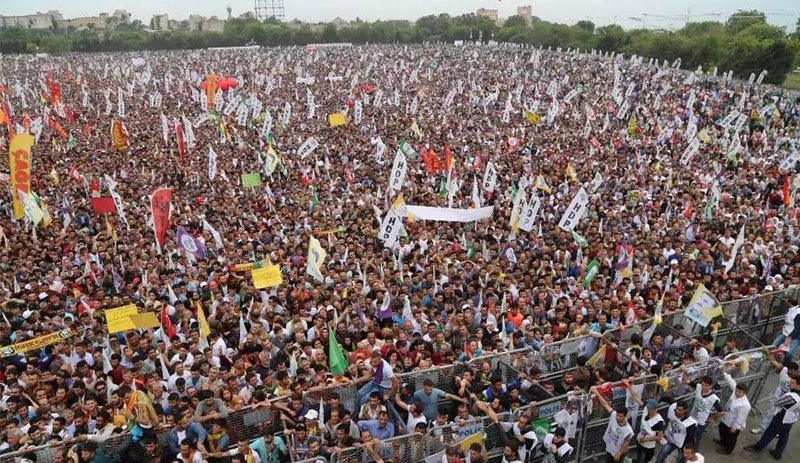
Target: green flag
253, 179
542, 426
591, 272
579, 240
443, 187
337, 362
471, 250
408, 150
314, 198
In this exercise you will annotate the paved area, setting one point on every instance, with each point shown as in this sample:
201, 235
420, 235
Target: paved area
791, 455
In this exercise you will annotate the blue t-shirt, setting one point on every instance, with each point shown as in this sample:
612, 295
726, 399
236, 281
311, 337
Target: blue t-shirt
430, 402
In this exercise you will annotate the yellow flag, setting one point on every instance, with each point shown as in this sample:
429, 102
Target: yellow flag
48, 219
532, 117
54, 176
337, 119
541, 185
571, 172
205, 330
415, 129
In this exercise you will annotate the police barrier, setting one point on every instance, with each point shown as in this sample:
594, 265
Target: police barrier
761, 317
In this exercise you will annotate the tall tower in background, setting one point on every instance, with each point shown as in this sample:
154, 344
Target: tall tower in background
526, 13
265, 9
229, 11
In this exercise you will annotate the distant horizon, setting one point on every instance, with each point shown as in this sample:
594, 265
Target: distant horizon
626, 13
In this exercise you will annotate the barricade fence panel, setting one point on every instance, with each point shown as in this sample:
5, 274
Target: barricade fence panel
409, 448
750, 322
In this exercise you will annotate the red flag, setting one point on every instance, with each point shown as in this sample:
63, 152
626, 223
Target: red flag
160, 204
75, 175
786, 193
181, 141
476, 164
103, 205
305, 180
448, 158
166, 323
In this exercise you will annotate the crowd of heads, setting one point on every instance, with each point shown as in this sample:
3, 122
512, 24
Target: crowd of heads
726, 219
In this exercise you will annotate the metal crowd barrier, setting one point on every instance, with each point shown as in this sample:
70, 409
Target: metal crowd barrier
761, 318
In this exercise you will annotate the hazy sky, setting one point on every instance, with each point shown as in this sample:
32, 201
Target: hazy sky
656, 13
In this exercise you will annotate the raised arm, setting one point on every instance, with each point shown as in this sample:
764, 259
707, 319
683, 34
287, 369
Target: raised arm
601, 400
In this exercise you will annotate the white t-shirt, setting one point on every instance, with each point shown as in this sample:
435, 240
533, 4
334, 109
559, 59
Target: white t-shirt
700, 459
616, 435
646, 429
568, 421
783, 384
788, 327
412, 421
388, 374
562, 450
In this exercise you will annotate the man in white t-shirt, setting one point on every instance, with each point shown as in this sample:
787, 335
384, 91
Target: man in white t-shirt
789, 338
784, 372
690, 454
618, 433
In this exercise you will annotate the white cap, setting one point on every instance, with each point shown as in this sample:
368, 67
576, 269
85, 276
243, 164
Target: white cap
312, 415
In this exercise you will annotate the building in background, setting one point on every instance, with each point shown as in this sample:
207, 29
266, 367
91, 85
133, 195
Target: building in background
526, 13
488, 13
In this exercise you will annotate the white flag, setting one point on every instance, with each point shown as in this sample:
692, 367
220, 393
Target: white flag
307, 147
399, 168
575, 211
529, 214
212, 164
165, 129
489, 177
217, 237
390, 228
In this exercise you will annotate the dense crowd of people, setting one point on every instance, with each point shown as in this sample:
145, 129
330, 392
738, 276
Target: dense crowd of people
679, 194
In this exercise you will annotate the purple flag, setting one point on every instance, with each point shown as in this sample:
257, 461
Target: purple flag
189, 243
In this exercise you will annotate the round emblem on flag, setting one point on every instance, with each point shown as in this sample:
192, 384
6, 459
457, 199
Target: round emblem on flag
188, 243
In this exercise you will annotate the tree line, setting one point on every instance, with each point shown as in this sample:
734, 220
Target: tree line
746, 43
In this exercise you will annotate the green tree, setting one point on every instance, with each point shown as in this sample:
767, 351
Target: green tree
586, 25
329, 34
515, 21
743, 19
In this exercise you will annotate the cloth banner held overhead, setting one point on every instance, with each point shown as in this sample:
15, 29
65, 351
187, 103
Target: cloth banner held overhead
446, 214
35, 343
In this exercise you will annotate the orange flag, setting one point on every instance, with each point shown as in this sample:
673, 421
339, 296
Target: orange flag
433, 164
448, 158
119, 135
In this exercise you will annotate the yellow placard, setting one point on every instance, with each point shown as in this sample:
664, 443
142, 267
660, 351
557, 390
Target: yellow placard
337, 119
267, 277
119, 319
35, 343
144, 320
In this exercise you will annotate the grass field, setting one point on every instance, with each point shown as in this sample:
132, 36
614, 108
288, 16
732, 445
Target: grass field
792, 80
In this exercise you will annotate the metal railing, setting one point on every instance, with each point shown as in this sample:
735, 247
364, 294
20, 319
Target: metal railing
750, 322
